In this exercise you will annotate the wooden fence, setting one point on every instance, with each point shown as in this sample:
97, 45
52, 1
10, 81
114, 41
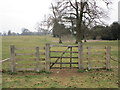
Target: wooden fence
47, 59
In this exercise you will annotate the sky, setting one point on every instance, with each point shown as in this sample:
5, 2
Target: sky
18, 14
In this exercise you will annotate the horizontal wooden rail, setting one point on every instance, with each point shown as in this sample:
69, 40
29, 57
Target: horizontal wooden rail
26, 54
63, 57
25, 59
28, 59
64, 68
25, 69
65, 63
29, 48
63, 51
97, 47
27, 64
98, 53
25, 48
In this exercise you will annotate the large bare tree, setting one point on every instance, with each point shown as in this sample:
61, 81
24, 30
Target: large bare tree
86, 13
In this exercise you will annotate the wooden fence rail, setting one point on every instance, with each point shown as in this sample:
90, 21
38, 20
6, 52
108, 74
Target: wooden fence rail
59, 59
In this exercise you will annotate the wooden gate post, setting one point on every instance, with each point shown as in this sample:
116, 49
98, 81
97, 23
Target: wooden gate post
108, 53
80, 56
12, 53
89, 58
70, 57
37, 60
47, 57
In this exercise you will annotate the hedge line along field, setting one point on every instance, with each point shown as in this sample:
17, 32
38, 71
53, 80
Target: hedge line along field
65, 78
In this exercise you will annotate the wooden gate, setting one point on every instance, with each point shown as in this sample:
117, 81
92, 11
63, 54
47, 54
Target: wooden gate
72, 52
59, 59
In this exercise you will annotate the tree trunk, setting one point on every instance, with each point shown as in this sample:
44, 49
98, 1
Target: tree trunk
60, 40
79, 34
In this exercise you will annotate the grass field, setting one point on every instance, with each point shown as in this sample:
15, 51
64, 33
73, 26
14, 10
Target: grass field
68, 78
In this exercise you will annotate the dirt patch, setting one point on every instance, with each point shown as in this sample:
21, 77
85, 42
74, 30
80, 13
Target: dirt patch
95, 40
55, 72
64, 72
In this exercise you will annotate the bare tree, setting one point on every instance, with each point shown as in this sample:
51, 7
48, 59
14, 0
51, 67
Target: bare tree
57, 17
86, 13
43, 27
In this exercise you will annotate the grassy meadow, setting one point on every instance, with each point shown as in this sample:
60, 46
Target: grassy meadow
58, 78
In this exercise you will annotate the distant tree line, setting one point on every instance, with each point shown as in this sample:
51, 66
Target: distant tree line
97, 32
24, 32
111, 32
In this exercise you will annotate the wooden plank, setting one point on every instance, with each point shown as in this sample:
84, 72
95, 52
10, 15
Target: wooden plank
1, 61
63, 51
108, 53
25, 48
28, 48
26, 69
80, 55
65, 63
24, 54
28, 59
77, 68
12, 52
63, 57
64, 68
70, 57
28, 54
89, 58
98, 53
25, 59
37, 60
47, 58
98, 47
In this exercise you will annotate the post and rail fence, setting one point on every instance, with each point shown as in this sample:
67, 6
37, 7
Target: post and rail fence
47, 59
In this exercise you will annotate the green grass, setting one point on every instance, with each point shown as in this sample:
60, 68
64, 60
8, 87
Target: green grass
87, 79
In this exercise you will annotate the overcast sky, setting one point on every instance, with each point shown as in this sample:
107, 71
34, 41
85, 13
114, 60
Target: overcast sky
17, 14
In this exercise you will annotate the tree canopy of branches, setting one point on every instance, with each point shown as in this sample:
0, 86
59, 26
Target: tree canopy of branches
81, 13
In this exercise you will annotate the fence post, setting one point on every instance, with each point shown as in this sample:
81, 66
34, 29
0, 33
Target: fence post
89, 58
37, 60
47, 57
12, 52
70, 57
108, 53
80, 56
